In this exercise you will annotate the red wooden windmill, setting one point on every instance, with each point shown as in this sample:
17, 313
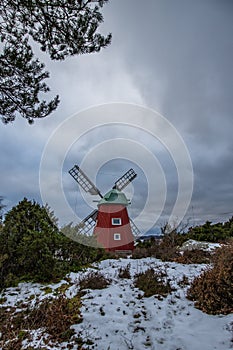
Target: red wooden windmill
112, 227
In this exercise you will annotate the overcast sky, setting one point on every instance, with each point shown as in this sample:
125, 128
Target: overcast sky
174, 57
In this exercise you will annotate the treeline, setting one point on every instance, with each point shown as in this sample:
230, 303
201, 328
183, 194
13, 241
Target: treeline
212, 232
168, 247
32, 248
208, 232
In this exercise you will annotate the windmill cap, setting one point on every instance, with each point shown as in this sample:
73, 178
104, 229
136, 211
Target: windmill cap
114, 197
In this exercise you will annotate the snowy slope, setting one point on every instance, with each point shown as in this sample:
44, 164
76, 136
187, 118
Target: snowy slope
119, 317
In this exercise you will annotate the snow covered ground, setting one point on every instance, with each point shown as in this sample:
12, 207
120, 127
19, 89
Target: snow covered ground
120, 318
207, 246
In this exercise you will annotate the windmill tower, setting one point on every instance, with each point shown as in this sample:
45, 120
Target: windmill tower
113, 228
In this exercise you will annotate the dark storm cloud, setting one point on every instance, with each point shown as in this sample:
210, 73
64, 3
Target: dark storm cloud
181, 55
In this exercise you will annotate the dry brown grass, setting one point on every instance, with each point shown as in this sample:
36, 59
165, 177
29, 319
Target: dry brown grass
213, 290
94, 280
151, 283
54, 316
124, 272
194, 256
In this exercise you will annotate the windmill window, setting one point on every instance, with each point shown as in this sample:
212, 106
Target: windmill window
117, 236
116, 221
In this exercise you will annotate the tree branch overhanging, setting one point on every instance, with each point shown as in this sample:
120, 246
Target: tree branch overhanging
62, 28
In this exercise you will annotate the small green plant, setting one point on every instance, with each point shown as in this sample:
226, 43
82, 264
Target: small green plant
151, 283
22, 334
94, 280
62, 289
47, 290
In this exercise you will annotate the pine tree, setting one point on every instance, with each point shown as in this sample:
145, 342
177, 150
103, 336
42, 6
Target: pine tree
62, 28
28, 243
33, 248
2, 206
212, 232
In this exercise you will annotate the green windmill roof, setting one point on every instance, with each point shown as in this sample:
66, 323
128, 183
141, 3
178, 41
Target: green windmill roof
114, 197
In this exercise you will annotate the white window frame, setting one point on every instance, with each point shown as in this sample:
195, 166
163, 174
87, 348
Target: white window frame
114, 223
117, 237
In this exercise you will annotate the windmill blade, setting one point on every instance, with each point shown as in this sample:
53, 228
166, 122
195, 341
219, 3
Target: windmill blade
88, 223
135, 230
82, 179
123, 181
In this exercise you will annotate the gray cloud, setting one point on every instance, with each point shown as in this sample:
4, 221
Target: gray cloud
174, 57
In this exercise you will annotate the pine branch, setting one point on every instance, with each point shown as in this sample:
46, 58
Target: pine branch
62, 27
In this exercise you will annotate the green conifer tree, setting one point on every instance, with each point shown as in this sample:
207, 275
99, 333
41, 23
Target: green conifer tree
33, 248
61, 28
28, 242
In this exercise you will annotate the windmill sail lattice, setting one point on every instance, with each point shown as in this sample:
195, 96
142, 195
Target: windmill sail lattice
123, 181
82, 179
88, 223
135, 229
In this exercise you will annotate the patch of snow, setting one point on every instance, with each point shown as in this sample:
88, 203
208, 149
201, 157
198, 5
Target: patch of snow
207, 246
120, 318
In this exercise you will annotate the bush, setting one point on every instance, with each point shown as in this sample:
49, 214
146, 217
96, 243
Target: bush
55, 316
151, 283
141, 252
94, 280
194, 256
33, 249
165, 249
213, 290
124, 272
166, 252
28, 240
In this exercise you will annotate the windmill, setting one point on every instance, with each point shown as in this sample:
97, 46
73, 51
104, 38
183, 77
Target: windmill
113, 228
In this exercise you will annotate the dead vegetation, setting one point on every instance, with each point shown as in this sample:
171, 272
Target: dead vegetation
168, 249
152, 282
53, 316
94, 280
212, 291
124, 272
194, 256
